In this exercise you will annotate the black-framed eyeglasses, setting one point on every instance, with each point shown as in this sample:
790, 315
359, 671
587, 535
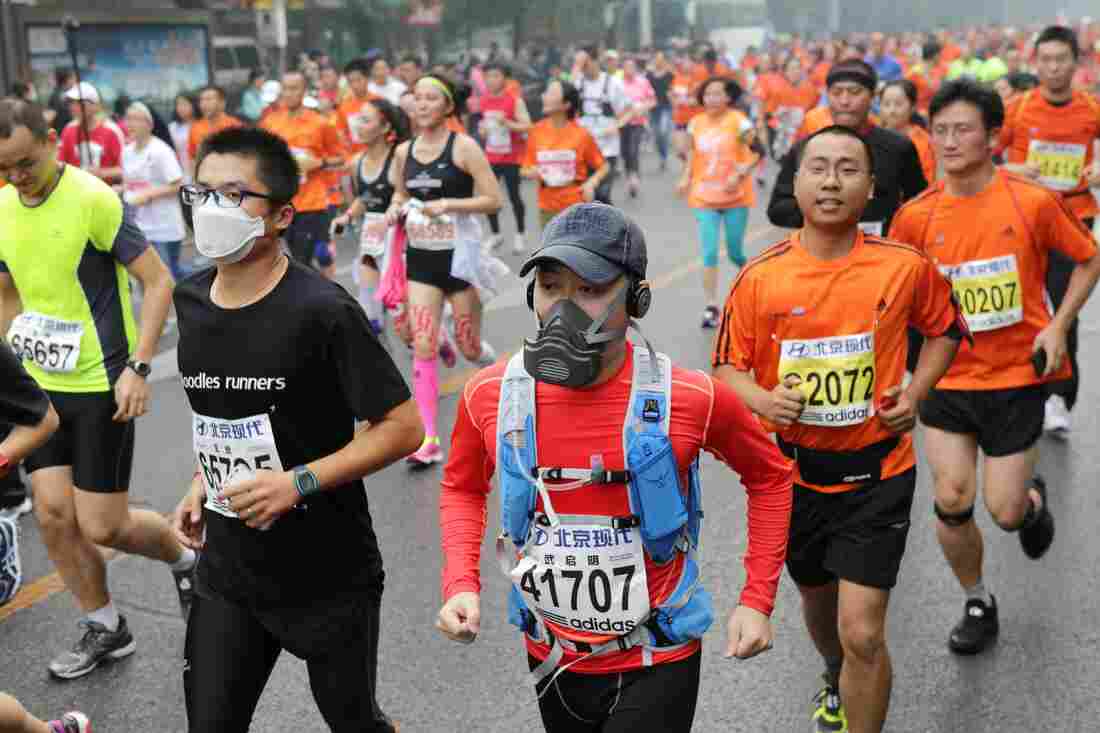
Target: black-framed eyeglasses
193, 195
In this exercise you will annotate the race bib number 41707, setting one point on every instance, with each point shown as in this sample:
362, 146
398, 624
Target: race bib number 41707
837, 377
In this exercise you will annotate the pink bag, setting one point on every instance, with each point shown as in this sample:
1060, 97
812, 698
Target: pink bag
393, 290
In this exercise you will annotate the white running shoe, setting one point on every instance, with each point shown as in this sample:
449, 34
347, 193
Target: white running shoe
14, 512
492, 244
11, 572
1056, 418
519, 245
488, 355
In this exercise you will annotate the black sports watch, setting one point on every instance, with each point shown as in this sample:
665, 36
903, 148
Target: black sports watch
141, 368
305, 482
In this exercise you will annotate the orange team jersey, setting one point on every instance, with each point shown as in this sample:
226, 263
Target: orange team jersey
348, 121
718, 146
684, 102
768, 89
998, 270
920, 76
565, 157
309, 132
840, 326
922, 141
1059, 140
573, 425
819, 74
204, 128
791, 103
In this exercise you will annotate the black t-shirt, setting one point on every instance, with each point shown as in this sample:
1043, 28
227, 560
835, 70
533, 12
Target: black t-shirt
898, 178
298, 368
661, 84
22, 401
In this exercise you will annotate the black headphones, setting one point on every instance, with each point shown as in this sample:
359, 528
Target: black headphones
638, 297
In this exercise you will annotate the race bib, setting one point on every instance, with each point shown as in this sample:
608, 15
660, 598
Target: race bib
372, 239
587, 577
838, 378
435, 234
498, 138
52, 344
681, 96
1060, 164
225, 447
557, 167
871, 228
988, 292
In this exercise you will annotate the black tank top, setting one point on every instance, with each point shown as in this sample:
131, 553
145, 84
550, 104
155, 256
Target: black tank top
378, 193
439, 179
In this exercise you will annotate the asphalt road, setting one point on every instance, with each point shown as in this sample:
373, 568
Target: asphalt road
1042, 675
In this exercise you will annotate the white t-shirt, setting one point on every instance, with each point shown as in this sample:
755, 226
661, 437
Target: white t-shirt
391, 91
155, 165
181, 134
594, 93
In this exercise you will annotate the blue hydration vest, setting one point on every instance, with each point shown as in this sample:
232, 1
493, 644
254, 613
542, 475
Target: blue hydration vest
667, 518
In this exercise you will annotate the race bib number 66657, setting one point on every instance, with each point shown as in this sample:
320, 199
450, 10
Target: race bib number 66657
52, 344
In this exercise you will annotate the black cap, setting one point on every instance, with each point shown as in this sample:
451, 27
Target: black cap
596, 241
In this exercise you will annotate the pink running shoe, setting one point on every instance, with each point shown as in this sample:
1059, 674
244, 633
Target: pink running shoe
430, 452
73, 722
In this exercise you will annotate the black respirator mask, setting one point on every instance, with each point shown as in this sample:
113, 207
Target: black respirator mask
568, 351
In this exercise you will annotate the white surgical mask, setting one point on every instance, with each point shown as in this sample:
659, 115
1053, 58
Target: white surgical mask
225, 235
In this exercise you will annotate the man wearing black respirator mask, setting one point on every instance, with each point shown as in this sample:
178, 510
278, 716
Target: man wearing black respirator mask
600, 510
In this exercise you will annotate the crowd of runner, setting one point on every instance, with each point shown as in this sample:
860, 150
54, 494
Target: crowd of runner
884, 306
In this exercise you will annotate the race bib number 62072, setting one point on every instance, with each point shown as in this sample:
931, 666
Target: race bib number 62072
837, 376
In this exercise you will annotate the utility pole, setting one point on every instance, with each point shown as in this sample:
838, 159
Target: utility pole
645, 21
834, 16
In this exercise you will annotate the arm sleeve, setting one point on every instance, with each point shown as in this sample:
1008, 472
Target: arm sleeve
912, 177
783, 208
369, 380
736, 438
113, 228
22, 401
1063, 231
935, 311
463, 505
735, 344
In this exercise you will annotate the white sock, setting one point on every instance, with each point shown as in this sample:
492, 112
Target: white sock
977, 592
186, 561
107, 616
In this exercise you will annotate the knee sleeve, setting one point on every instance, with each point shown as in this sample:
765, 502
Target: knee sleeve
957, 519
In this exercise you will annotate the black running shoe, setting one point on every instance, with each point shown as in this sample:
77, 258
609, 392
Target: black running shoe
95, 646
1037, 537
978, 628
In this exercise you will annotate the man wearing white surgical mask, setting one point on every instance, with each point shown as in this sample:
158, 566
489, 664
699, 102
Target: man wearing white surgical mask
277, 504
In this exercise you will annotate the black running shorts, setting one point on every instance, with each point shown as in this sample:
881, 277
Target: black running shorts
1005, 421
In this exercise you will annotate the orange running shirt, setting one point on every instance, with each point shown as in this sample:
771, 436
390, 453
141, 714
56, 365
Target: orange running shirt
310, 132
204, 128
684, 102
348, 121
995, 247
565, 157
922, 141
841, 326
816, 119
718, 147
1059, 139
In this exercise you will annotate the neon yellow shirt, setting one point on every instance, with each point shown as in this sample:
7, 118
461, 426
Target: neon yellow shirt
67, 256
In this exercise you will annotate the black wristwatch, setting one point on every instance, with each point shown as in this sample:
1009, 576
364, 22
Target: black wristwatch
141, 368
305, 482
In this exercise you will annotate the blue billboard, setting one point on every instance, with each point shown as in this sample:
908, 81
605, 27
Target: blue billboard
144, 61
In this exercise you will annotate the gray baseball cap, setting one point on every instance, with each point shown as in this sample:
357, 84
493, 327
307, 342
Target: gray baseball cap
596, 241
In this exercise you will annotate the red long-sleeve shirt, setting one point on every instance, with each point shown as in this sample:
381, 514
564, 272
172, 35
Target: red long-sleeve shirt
572, 425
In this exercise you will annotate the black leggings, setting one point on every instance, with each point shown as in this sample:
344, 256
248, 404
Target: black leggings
631, 141
510, 173
603, 191
660, 698
230, 651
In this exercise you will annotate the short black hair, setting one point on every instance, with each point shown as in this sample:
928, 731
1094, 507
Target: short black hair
930, 50
907, 87
1022, 81
845, 132
1059, 34
733, 89
275, 164
592, 51
213, 88
412, 58
256, 73
965, 90
361, 64
21, 113
190, 100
